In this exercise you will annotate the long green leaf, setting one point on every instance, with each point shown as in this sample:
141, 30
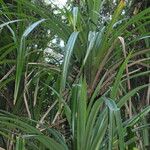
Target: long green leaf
68, 52
21, 57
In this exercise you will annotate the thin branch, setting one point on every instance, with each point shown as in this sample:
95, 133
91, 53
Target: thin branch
127, 73
45, 65
36, 92
25, 98
101, 67
138, 61
45, 115
7, 74
148, 94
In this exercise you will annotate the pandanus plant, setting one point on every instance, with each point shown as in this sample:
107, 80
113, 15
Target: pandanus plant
85, 100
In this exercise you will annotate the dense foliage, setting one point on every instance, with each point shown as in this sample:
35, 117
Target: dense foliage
76, 77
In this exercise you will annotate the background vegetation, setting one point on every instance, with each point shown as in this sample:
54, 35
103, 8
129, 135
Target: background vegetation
75, 78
